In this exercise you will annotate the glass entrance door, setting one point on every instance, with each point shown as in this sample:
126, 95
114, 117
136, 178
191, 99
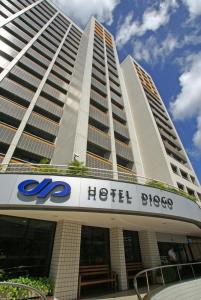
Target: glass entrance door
131, 246
95, 246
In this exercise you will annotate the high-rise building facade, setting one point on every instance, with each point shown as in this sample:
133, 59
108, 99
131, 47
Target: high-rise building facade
64, 96
161, 150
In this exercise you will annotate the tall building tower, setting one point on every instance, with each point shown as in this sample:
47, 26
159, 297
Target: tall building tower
61, 91
39, 52
161, 150
64, 95
104, 137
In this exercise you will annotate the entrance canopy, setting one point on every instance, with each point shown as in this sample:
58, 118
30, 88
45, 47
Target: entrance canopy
98, 202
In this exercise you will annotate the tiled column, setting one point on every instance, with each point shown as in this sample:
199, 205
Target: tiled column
117, 255
149, 249
64, 269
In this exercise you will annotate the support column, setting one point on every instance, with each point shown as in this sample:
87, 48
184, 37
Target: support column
117, 255
149, 249
64, 269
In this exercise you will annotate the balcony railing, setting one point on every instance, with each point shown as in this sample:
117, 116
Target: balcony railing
121, 129
119, 113
124, 150
99, 138
100, 173
99, 99
99, 116
159, 277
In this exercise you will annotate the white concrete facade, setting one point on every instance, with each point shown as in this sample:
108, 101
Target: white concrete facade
156, 162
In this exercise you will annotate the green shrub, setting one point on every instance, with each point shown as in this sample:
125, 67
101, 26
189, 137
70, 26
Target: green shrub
44, 161
77, 168
2, 273
43, 284
166, 187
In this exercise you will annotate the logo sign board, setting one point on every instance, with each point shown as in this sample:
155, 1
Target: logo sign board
44, 188
93, 194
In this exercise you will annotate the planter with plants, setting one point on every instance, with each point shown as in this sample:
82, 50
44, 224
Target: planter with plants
166, 187
43, 284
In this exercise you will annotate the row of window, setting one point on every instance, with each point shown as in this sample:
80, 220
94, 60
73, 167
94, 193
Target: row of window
183, 174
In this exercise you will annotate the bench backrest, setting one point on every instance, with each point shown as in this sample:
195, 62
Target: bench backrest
134, 266
94, 269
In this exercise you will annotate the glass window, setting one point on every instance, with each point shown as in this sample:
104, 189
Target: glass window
173, 253
132, 246
25, 245
95, 246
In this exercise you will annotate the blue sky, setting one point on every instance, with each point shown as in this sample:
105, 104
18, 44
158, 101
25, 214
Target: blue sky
165, 38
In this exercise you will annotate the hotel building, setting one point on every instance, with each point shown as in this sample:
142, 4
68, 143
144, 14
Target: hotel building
63, 96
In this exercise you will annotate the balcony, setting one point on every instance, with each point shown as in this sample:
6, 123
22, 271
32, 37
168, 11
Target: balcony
17, 91
7, 134
98, 51
98, 75
126, 174
163, 119
43, 124
101, 88
114, 87
114, 78
99, 138
49, 108
11, 109
36, 146
170, 138
53, 94
121, 129
119, 113
35, 68
124, 151
164, 124
117, 99
99, 100
95, 161
98, 59
99, 116
178, 155
98, 66
27, 142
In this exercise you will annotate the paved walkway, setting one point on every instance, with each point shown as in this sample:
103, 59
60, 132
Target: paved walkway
125, 295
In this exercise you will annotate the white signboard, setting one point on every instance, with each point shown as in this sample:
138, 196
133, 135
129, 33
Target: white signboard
93, 194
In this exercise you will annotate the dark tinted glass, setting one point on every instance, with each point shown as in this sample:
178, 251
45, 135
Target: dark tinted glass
131, 246
94, 246
25, 246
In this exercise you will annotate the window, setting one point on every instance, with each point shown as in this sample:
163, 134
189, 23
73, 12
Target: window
180, 186
193, 179
173, 253
174, 169
28, 243
131, 246
191, 192
95, 246
184, 174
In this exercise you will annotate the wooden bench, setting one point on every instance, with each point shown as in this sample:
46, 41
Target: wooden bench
96, 274
132, 268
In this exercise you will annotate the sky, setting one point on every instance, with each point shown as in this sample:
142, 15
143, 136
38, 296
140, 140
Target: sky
164, 36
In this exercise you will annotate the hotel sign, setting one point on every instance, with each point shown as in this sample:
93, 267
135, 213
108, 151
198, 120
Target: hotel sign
75, 193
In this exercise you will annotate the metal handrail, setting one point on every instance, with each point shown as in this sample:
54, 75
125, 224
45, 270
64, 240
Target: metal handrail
26, 287
29, 168
146, 271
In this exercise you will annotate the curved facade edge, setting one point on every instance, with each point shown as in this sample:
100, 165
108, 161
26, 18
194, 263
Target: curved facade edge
76, 193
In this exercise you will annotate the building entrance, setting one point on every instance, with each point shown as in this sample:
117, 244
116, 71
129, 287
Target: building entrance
95, 274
